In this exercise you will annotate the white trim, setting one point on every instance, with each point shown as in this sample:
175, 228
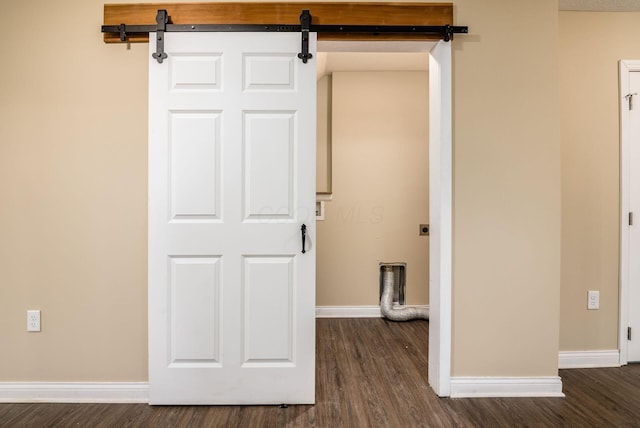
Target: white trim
463, 387
626, 67
74, 392
440, 214
325, 197
588, 359
377, 46
353, 311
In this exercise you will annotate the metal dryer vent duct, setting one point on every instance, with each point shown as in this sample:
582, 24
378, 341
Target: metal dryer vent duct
386, 301
399, 281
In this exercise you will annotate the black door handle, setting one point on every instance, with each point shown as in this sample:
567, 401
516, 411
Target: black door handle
303, 229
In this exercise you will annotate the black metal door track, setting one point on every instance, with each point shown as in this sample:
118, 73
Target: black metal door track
163, 25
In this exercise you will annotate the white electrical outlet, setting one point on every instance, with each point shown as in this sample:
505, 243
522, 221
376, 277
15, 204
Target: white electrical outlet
33, 320
593, 299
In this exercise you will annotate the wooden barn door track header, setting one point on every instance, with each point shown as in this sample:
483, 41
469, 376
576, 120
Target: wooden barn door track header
332, 21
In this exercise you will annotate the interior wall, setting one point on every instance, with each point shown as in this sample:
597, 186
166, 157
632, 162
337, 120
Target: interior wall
73, 217
380, 146
506, 257
73, 169
591, 44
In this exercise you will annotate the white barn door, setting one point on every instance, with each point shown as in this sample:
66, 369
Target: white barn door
231, 182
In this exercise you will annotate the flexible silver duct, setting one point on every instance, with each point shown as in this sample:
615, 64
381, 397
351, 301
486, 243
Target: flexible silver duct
386, 302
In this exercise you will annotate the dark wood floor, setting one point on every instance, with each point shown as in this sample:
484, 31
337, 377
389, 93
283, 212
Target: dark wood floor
372, 373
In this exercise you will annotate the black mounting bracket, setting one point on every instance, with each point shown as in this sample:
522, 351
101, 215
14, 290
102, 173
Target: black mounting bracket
122, 28
447, 33
305, 25
162, 19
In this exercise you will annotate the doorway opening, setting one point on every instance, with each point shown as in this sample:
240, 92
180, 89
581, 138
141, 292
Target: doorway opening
381, 177
372, 172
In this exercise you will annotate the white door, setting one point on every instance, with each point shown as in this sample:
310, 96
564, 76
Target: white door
231, 183
633, 230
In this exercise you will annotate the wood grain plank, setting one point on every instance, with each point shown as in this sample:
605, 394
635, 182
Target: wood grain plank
323, 13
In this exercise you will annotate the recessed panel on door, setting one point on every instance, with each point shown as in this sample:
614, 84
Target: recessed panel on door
194, 148
269, 180
268, 329
269, 72
195, 72
194, 306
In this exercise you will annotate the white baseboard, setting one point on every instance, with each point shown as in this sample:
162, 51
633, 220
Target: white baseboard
462, 387
74, 392
588, 359
348, 312
353, 311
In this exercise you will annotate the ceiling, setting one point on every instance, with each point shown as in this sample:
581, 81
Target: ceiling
600, 5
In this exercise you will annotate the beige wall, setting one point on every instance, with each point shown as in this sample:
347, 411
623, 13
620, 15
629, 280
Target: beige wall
506, 189
380, 152
73, 193
591, 44
73, 215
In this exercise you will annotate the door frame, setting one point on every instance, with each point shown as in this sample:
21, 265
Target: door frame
626, 67
440, 217
440, 194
